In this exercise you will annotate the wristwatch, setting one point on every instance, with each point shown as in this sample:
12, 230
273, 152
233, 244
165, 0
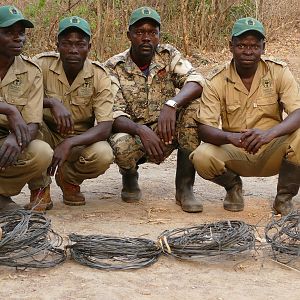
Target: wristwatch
171, 103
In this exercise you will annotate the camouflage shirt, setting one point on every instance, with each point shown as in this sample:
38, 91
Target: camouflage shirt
141, 97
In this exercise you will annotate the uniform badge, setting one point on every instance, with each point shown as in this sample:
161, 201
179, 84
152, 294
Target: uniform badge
250, 22
267, 86
13, 11
267, 83
86, 89
146, 11
16, 85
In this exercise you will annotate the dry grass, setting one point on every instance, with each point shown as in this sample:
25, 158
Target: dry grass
191, 25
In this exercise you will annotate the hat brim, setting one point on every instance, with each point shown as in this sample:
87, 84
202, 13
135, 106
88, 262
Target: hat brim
246, 30
75, 27
25, 22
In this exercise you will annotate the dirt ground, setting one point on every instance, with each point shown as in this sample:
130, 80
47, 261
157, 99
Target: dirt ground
252, 275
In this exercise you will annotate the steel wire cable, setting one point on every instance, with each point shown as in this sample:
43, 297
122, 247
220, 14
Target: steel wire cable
284, 237
219, 238
27, 240
113, 253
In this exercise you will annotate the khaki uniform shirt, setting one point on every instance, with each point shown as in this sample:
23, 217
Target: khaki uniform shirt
22, 87
226, 99
141, 97
89, 98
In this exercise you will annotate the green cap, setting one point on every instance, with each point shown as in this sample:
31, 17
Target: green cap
9, 15
143, 13
75, 22
246, 24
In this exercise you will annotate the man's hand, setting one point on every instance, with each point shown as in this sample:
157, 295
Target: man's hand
60, 155
253, 139
166, 124
18, 126
62, 117
153, 145
9, 151
235, 139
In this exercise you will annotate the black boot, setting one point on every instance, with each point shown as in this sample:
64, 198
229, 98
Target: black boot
6, 204
131, 191
234, 200
185, 178
287, 187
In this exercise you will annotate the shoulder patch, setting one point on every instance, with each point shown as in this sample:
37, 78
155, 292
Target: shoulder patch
47, 54
215, 71
31, 61
275, 60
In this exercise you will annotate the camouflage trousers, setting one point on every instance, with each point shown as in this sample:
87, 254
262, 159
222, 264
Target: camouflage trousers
129, 150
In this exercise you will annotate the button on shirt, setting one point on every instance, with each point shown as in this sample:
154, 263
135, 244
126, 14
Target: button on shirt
226, 99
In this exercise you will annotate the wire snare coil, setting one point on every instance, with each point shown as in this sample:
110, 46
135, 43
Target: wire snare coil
113, 253
224, 237
284, 236
27, 240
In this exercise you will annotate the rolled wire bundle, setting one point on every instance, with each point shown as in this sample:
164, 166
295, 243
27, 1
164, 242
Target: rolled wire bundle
284, 236
224, 237
27, 240
113, 253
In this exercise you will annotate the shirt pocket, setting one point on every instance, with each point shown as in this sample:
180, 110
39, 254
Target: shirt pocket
79, 100
232, 117
268, 106
82, 109
18, 102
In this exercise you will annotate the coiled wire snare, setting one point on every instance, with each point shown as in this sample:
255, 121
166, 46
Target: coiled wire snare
284, 237
113, 253
224, 237
27, 240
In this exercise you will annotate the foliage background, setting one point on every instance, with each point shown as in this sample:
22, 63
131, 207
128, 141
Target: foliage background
190, 25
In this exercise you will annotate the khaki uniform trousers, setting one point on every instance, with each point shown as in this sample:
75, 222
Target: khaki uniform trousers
84, 162
30, 165
211, 161
129, 150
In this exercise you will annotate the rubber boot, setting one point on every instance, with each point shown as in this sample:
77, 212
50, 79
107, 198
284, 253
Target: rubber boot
7, 204
71, 192
234, 200
184, 182
40, 200
131, 191
287, 187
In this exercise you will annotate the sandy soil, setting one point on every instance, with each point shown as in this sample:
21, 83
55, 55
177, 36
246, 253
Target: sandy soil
252, 275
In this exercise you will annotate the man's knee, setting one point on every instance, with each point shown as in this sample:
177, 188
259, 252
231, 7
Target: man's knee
100, 155
104, 154
127, 150
203, 159
40, 154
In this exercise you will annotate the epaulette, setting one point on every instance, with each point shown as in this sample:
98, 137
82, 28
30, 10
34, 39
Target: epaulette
166, 47
100, 65
275, 60
31, 61
215, 71
116, 59
47, 54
